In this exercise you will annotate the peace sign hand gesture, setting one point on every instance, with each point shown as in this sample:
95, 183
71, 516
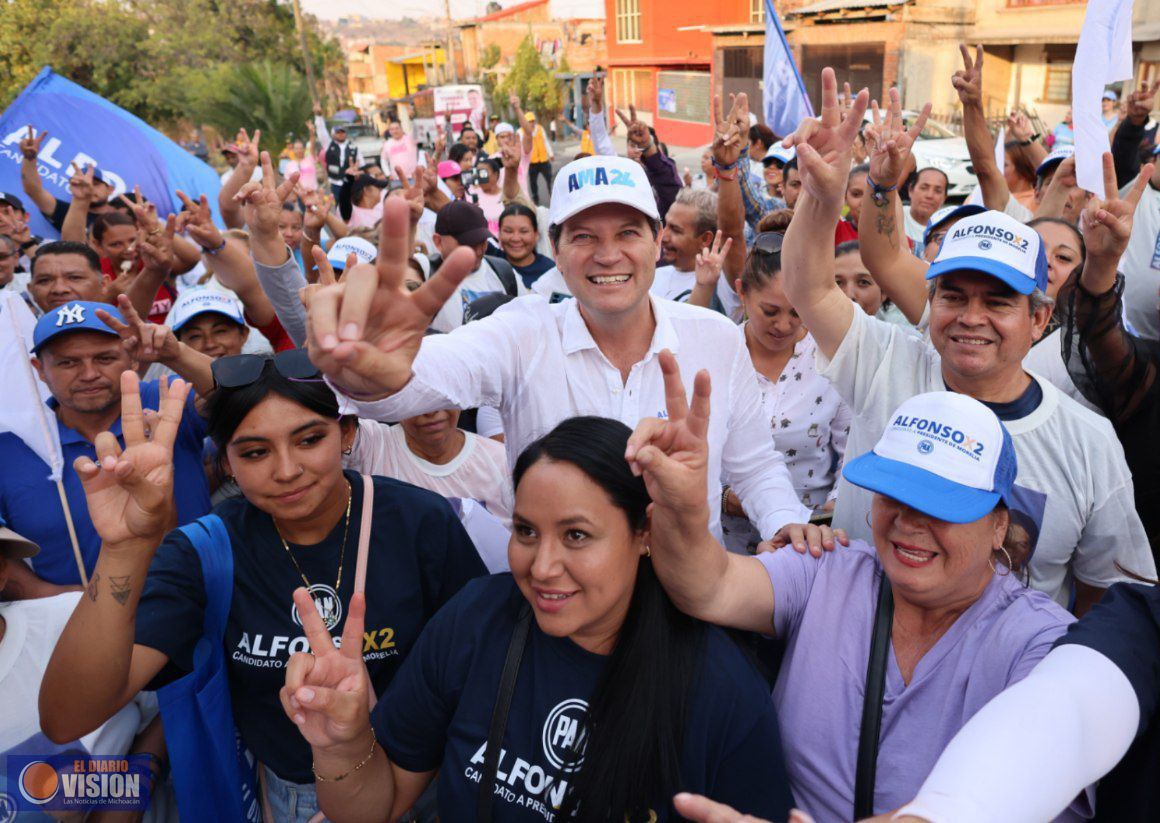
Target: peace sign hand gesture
968, 81
80, 185
364, 332
673, 454
890, 141
248, 156
327, 693
825, 144
145, 342
1107, 223
30, 144
638, 133
710, 260
130, 491
262, 201
728, 139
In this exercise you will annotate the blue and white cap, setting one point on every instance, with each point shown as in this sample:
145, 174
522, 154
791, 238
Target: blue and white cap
949, 213
1057, 156
192, 302
593, 181
943, 454
79, 315
363, 249
779, 153
997, 244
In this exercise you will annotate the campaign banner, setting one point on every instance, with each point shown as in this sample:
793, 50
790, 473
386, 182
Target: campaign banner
79, 783
86, 129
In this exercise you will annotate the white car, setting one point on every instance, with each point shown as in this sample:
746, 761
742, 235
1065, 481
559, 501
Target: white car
939, 147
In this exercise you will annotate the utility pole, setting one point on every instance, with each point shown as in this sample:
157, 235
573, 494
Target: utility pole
450, 41
305, 54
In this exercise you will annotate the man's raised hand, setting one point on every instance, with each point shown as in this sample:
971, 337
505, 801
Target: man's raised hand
968, 81
364, 332
29, 145
890, 141
262, 200
824, 144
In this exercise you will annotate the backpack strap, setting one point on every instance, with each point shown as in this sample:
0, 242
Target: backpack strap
868, 736
211, 541
364, 534
504, 271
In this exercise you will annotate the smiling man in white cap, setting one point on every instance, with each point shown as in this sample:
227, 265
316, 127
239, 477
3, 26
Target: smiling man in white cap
540, 363
986, 306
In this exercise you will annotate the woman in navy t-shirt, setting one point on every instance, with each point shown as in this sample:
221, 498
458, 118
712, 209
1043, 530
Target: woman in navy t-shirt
620, 700
518, 235
278, 429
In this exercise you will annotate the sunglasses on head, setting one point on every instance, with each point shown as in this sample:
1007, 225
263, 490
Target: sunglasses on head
768, 242
239, 370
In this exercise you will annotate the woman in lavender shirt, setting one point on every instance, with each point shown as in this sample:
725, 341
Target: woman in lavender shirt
964, 625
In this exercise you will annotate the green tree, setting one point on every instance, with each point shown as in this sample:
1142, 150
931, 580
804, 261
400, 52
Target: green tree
537, 89
272, 97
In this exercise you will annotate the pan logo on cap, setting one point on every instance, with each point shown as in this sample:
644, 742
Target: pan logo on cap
925, 447
599, 177
984, 244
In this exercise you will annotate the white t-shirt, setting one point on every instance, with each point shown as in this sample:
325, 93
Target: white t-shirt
670, 283
551, 286
539, 364
1046, 360
1073, 488
1141, 267
32, 629
914, 230
1017, 210
810, 424
488, 422
482, 281
478, 472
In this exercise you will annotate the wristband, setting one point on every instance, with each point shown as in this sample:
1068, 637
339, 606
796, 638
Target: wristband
879, 188
723, 176
216, 249
728, 167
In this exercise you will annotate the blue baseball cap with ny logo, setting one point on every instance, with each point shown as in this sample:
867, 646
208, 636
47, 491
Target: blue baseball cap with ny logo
78, 315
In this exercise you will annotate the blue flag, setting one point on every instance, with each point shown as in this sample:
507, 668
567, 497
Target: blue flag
785, 98
84, 128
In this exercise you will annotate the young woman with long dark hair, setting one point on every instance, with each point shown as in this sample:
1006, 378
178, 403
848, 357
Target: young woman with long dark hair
279, 433
619, 700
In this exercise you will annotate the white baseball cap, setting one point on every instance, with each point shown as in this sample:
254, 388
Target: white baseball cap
1057, 156
192, 302
591, 181
951, 212
997, 244
363, 249
504, 128
779, 153
942, 453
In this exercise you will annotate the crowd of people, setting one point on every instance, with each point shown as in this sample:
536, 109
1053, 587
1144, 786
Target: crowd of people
785, 489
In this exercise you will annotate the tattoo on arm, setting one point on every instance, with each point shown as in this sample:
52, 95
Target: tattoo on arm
91, 591
120, 589
886, 225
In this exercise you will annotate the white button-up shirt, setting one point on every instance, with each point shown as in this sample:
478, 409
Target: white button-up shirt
538, 364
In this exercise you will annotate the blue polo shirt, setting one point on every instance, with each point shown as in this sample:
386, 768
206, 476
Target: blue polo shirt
30, 503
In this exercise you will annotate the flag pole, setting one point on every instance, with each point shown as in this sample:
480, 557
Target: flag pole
57, 464
72, 532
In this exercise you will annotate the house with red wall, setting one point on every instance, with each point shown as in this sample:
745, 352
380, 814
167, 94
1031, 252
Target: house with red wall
660, 58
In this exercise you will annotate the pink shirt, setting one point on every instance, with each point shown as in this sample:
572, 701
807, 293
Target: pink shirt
402, 153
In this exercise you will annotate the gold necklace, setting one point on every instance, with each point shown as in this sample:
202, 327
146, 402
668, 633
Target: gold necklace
341, 553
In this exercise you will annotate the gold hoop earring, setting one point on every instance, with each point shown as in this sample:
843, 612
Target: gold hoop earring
647, 550
1010, 563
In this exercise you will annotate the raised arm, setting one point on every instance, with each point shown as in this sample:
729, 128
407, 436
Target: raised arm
807, 256
1019, 129
968, 82
597, 125
76, 219
702, 579
228, 204
728, 147
29, 175
1121, 366
130, 501
1126, 141
900, 275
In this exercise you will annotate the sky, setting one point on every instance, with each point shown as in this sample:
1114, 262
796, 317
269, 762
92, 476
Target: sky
391, 9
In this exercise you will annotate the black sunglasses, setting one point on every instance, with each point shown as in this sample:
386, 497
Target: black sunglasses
768, 242
239, 370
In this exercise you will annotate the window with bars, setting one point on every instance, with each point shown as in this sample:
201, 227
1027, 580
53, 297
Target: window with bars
628, 21
756, 11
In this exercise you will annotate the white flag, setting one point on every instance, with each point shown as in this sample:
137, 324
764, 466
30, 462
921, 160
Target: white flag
1103, 55
24, 411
